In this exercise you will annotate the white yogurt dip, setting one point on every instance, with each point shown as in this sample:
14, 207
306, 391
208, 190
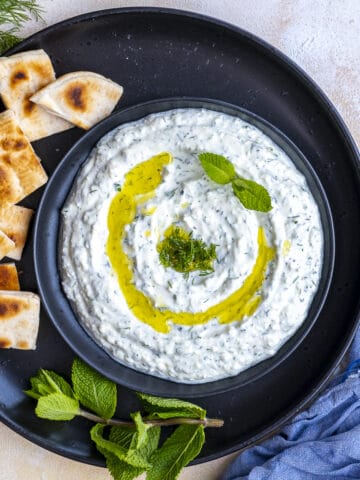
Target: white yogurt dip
187, 197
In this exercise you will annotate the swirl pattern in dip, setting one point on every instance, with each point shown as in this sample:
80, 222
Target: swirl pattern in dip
187, 197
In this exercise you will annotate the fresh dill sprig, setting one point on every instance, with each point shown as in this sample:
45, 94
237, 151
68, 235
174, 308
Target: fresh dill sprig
7, 40
13, 15
185, 254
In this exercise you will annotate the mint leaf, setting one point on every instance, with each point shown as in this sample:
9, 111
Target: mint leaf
120, 435
121, 470
93, 390
217, 167
159, 407
47, 382
57, 406
123, 436
252, 195
141, 429
176, 452
132, 457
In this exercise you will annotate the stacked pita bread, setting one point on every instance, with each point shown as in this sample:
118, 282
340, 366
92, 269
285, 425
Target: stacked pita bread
38, 106
21, 173
19, 312
21, 75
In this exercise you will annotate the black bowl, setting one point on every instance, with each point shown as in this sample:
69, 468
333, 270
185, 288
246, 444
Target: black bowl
46, 232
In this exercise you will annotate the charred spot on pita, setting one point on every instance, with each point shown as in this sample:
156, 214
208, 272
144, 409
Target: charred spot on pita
5, 277
6, 159
8, 277
75, 96
28, 106
12, 236
13, 144
5, 343
18, 76
8, 308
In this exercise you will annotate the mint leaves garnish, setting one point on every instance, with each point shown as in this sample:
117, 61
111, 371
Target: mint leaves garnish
217, 167
130, 447
252, 195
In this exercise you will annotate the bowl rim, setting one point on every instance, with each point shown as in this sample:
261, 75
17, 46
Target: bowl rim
185, 390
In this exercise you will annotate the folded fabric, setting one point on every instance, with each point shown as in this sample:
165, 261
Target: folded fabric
321, 443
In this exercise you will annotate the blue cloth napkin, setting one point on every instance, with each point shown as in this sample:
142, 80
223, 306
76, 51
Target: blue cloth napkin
322, 443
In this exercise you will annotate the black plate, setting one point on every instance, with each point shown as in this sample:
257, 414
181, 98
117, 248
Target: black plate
157, 53
46, 235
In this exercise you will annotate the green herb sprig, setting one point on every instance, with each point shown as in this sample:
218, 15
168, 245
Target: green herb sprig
130, 447
251, 194
13, 14
185, 254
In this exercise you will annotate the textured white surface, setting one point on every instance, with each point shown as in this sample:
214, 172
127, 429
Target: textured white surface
323, 38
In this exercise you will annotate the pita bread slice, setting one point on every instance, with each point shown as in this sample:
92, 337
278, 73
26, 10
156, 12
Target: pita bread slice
21, 172
82, 98
14, 222
6, 245
9, 279
21, 75
19, 319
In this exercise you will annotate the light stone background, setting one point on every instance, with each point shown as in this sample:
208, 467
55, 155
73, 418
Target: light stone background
323, 37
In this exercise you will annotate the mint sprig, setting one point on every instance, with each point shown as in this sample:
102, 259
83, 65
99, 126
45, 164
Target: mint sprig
251, 194
130, 447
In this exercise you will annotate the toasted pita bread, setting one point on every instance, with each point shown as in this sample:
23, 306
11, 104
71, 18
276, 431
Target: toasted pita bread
19, 319
9, 279
6, 245
82, 98
21, 75
21, 172
14, 222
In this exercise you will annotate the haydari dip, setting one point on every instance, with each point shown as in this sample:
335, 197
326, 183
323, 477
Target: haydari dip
143, 182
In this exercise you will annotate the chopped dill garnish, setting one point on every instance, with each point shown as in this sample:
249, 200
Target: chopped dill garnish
185, 254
